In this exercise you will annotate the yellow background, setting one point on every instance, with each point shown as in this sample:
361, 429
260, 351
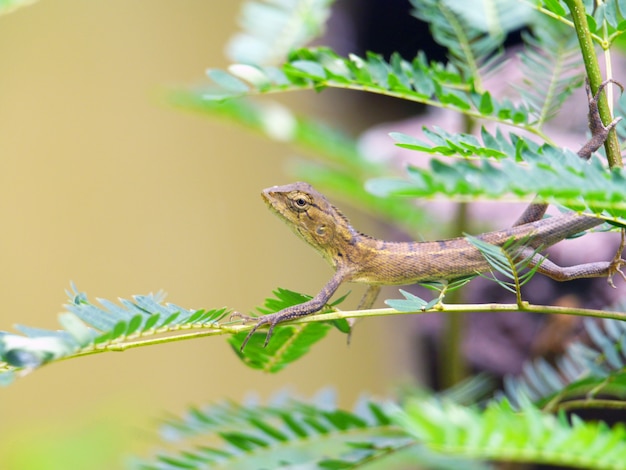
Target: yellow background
103, 184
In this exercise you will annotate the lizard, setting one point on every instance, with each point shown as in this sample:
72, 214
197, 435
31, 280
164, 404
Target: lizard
360, 258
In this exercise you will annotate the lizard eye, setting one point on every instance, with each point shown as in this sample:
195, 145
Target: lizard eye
300, 202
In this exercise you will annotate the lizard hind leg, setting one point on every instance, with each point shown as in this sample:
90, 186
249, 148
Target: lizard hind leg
599, 131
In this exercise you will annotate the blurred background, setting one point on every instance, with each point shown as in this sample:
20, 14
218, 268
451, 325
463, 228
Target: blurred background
104, 184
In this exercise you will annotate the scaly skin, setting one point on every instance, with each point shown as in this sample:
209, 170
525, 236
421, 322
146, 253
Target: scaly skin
360, 258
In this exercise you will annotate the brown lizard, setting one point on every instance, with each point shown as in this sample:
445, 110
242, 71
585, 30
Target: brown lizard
360, 258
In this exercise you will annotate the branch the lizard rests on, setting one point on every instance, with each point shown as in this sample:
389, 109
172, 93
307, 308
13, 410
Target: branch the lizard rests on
360, 258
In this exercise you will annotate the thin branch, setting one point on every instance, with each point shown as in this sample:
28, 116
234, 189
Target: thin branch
593, 403
337, 315
592, 68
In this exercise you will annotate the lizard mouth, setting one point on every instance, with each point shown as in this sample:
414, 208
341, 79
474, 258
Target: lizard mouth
268, 197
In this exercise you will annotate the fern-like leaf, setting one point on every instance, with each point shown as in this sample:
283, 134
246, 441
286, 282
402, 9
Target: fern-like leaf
500, 432
289, 342
413, 303
511, 260
420, 81
586, 370
496, 17
472, 31
287, 432
551, 67
605, 19
293, 433
91, 328
554, 174
272, 28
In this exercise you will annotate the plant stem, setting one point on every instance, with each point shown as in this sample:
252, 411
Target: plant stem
452, 364
223, 329
595, 403
592, 68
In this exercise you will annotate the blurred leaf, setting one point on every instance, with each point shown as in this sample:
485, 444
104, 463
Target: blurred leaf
499, 432
271, 28
9, 6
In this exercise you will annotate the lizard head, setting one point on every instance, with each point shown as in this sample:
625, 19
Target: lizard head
312, 217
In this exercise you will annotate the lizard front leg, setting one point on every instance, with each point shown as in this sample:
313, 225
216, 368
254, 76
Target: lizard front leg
297, 311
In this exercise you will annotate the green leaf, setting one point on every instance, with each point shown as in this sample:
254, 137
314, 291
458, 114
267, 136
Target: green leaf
227, 81
449, 144
134, 324
410, 303
151, 322
509, 259
289, 342
89, 327
523, 435
556, 175
291, 433
583, 371
310, 69
555, 6
75, 327
486, 104
319, 68
551, 67
252, 74
471, 37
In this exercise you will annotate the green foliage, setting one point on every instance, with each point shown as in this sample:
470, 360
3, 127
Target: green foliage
501, 432
511, 260
315, 434
414, 303
427, 430
90, 328
551, 67
555, 175
586, 370
472, 33
289, 342
418, 80
294, 433
605, 20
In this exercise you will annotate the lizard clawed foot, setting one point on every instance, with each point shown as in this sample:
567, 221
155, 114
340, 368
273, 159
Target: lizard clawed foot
272, 320
260, 322
599, 131
618, 262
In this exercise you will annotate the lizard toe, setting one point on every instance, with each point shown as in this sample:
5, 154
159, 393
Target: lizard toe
240, 316
261, 321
